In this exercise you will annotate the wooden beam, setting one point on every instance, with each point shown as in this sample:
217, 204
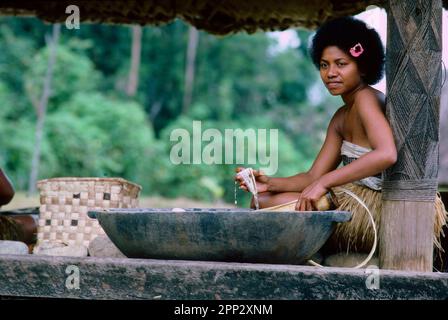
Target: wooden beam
135, 279
414, 51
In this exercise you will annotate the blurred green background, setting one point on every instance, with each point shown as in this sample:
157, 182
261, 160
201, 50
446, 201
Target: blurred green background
96, 126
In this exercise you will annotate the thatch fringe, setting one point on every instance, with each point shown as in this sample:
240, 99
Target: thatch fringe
10, 229
218, 17
357, 235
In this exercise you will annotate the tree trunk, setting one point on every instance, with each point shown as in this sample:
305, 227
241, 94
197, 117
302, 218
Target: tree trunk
42, 109
132, 86
414, 52
193, 39
155, 109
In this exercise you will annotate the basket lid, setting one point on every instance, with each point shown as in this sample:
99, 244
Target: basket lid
87, 179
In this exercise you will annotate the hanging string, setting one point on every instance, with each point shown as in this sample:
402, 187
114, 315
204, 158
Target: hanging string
249, 179
375, 232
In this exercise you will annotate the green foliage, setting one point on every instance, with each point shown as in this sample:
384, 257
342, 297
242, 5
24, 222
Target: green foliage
93, 129
162, 78
13, 61
201, 181
13, 64
94, 135
76, 144
16, 147
234, 75
17, 140
72, 73
109, 49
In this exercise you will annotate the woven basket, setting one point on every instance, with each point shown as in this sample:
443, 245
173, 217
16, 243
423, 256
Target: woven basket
65, 202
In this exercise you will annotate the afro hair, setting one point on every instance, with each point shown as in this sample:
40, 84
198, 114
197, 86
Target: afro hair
345, 33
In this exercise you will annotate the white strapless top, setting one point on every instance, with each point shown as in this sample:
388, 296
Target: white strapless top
351, 152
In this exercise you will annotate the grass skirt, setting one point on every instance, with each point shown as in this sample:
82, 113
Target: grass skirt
10, 229
357, 235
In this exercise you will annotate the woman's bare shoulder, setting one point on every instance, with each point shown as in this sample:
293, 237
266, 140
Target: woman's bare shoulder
338, 119
371, 97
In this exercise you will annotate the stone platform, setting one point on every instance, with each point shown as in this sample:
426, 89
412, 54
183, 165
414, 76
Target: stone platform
57, 277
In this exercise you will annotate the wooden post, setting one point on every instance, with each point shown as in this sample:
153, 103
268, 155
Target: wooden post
414, 51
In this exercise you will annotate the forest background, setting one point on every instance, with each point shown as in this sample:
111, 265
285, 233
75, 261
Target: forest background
117, 92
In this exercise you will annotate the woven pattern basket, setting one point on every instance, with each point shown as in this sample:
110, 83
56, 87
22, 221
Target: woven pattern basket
66, 201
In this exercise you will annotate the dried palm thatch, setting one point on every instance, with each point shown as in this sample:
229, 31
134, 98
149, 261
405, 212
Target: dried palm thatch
357, 235
10, 229
215, 16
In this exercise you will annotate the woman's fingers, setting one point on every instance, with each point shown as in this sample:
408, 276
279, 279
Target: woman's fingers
304, 204
237, 176
313, 205
309, 205
243, 185
297, 205
256, 173
300, 204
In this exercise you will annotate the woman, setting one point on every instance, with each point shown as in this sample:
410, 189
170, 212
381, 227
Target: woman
350, 58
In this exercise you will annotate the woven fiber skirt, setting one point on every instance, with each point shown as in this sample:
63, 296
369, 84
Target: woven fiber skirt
10, 229
357, 235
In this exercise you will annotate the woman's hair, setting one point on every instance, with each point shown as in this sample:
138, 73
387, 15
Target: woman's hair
345, 33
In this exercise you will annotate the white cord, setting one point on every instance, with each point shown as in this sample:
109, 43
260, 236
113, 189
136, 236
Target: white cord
372, 222
249, 179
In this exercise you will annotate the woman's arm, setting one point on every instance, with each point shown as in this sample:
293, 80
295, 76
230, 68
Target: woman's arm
382, 156
327, 160
379, 133
6, 189
295, 183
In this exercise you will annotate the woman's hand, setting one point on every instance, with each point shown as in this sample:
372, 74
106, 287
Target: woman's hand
261, 179
310, 195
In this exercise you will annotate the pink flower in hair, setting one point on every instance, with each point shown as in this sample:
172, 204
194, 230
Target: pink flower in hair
357, 50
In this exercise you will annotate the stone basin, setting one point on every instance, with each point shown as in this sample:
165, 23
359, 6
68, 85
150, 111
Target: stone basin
229, 235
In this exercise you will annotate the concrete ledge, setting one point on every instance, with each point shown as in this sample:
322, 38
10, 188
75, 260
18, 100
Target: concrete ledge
34, 276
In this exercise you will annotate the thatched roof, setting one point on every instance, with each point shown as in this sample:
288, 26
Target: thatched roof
214, 16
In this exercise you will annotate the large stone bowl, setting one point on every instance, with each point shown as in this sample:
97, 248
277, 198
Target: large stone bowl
238, 235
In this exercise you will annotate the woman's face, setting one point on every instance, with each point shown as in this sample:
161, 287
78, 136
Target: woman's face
339, 71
